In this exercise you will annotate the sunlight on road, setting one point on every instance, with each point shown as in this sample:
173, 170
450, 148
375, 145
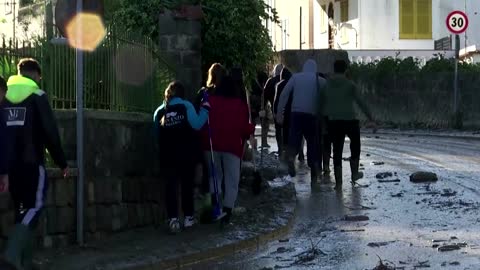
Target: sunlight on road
86, 31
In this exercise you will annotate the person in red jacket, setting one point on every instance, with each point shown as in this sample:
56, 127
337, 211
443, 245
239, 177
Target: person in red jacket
230, 127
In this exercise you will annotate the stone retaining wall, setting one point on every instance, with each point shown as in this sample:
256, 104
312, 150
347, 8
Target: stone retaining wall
112, 205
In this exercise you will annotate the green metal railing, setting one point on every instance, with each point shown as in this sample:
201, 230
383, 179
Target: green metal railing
123, 74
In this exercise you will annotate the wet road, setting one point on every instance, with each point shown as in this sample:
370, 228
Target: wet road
406, 221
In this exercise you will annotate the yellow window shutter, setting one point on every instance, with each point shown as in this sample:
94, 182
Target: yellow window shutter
423, 27
407, 19
344, 11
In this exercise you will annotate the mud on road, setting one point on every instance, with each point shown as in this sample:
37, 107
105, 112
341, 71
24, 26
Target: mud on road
388, 222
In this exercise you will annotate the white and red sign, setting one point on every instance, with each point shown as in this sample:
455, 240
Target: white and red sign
457, 22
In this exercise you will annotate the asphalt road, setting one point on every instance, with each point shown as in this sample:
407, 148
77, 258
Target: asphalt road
406, 223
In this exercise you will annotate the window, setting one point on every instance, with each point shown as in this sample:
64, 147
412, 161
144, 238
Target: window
344, 35
323, 19
344, 11
415, 19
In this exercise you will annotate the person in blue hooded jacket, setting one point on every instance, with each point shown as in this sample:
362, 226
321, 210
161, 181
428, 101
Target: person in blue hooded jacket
176, 122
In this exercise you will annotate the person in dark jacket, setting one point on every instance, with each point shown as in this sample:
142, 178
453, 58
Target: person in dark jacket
32, 128
3, 141
340, 97
176, 122
281, 131
268, 98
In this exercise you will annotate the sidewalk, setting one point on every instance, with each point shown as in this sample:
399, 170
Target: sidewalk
257, 220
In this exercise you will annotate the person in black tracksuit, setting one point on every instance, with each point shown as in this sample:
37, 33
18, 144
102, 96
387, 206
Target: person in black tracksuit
31, 128
176, 122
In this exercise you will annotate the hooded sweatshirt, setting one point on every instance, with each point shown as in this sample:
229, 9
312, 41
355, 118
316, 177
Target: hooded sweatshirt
306, 88
269, 90
31, 124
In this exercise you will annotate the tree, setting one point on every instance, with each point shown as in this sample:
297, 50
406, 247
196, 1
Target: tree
233, 32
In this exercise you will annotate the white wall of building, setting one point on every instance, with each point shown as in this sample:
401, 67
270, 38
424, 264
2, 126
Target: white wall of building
378, 25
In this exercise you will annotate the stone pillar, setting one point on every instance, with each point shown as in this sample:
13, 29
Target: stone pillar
180, 44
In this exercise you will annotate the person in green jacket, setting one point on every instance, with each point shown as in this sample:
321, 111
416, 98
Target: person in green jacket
339, 98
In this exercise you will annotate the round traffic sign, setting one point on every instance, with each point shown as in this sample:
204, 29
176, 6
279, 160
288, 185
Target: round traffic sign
457, 22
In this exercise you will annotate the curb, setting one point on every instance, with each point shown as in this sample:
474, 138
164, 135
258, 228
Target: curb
435, 135
223, 251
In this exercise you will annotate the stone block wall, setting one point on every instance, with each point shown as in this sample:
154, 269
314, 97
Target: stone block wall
180, 43
122, 187
112, 205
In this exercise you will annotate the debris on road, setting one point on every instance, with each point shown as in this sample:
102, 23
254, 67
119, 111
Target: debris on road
384, 175
423, 177
451, 247
378, 163
424, 264
398, 195
284, 240
368, 155
352, 230
390, 181
356, 218
380, 244
448, 193
385, 265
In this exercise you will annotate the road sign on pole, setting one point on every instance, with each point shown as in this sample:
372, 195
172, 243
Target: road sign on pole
457, 22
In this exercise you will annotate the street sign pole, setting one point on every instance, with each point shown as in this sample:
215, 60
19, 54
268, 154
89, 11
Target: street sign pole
455, 82
80, 166
457, 23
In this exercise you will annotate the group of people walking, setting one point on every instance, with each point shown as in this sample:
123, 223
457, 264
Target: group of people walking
310, 106
207, 137
212, 133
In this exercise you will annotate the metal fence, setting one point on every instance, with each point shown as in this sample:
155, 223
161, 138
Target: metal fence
123, 74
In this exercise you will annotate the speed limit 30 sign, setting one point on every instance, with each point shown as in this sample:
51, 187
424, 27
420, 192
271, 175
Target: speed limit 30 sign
457, 22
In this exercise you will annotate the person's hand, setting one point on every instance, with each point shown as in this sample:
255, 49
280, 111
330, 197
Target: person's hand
279, 119
206, 105
66, 172
4, 183
262, 114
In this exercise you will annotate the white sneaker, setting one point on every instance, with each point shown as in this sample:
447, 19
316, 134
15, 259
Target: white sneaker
174, 225
189, 222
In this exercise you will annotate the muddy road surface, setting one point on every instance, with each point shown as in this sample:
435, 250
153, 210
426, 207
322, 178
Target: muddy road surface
388, 218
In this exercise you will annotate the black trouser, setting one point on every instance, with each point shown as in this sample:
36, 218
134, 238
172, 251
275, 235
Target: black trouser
326, 143
175, 176
279, 136
304, 125
28, 186
337, 130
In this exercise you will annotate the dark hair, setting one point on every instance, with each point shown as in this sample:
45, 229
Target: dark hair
29, 65
239, 84
262, 78
226, 87
3, 84
340, 66
174, 89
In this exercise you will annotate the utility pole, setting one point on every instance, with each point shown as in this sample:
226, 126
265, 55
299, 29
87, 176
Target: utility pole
79, 108
300, 28
14, 22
